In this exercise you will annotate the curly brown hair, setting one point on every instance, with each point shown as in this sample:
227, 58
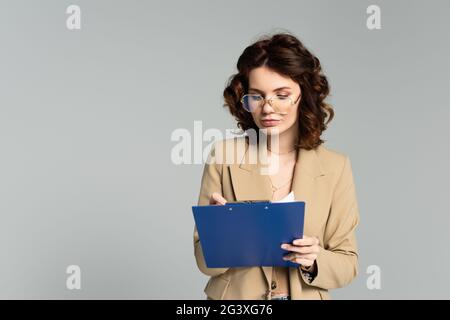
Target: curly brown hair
286, 55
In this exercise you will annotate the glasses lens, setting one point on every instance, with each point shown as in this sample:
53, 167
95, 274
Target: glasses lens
251, 102
281, 103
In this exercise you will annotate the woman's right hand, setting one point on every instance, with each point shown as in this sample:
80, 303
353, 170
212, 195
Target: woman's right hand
216, 198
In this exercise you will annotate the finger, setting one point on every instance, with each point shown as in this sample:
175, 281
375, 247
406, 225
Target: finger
293, 256
299, 249
306, 241
302, 261
216, 198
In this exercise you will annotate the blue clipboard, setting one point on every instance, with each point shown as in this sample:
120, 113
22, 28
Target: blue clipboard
248, 234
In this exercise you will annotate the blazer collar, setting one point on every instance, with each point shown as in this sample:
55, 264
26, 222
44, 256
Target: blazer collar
250, 183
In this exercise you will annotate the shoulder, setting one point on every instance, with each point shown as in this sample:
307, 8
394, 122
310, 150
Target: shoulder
227, 151
331, 160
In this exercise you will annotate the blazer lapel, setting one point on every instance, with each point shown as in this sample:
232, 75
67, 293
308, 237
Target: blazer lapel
305, 185
250, 184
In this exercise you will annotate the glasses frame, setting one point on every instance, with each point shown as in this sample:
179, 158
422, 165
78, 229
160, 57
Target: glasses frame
268, 100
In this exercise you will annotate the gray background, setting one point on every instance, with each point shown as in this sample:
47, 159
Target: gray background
86, 118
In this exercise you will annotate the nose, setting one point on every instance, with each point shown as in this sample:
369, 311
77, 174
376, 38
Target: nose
267, 107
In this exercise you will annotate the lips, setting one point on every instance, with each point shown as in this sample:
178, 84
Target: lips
270, 119
270, 122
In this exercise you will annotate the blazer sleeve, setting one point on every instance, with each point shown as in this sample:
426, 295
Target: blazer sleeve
337, 261
210, 183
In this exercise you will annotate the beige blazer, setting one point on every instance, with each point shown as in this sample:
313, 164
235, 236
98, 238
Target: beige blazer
323, 180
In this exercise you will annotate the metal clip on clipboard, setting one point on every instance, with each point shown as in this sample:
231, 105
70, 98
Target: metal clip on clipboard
248, 201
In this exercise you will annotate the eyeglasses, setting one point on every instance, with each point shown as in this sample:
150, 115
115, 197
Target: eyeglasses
280, 103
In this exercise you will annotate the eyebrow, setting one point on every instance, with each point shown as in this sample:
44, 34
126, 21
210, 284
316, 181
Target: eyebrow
260, 91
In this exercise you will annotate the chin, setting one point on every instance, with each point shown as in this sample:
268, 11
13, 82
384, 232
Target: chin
273, 130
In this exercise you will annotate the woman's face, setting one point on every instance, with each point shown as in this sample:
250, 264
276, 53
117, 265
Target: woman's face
268, 83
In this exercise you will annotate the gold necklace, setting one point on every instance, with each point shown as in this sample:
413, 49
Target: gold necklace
275, 189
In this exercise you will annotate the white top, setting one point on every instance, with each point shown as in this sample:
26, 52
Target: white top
289, 198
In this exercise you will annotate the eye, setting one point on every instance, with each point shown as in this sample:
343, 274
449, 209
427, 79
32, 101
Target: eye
282, 96
256, 97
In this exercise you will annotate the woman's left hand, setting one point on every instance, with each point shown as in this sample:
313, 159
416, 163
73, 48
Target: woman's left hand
303, 251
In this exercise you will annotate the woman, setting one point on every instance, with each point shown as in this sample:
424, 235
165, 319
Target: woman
280, 88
